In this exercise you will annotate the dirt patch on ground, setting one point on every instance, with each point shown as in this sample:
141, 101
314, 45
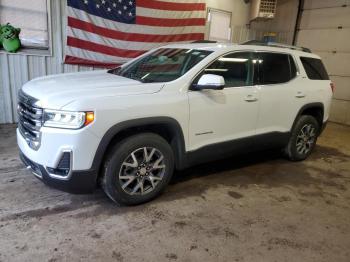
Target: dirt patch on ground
257, 207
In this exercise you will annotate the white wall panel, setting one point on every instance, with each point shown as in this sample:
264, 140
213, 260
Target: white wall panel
342, 88
314, 4
340, 111
336, 63
18, 74
5, 98
240, 34
325, 39
319, 31
36, 66
325, 18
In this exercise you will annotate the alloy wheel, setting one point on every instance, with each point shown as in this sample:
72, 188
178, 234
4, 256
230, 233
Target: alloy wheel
306, 139
141, 171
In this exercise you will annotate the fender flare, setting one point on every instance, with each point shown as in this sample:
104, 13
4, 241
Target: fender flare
178, 141
305, 107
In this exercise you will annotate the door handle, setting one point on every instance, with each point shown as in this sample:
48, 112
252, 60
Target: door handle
250, 98
300, 95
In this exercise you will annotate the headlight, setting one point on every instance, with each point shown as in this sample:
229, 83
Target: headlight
67, 119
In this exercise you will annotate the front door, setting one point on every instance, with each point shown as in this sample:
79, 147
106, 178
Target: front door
229, 114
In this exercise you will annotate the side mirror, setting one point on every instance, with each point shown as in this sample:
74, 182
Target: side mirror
210, 81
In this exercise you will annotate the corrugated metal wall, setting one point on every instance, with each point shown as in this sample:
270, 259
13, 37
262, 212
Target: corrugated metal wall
16, 69
283, 23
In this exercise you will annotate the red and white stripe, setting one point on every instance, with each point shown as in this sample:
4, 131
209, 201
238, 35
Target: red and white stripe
92, 40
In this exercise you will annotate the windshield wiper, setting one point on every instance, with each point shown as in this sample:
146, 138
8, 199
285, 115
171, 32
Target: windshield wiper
114, 71
147, 80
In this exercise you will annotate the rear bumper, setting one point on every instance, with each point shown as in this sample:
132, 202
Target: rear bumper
79, 182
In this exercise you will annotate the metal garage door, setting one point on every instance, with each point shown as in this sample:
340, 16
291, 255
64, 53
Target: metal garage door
325, 28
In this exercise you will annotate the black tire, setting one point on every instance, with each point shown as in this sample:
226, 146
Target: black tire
295, 150
114, 166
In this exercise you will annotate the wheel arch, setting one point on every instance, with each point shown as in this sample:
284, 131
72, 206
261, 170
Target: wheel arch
167, 127
314, 109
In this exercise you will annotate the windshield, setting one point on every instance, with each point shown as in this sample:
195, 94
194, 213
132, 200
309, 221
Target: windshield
162, 65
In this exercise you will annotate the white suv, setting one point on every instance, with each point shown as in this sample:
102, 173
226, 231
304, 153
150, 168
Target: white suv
171, 108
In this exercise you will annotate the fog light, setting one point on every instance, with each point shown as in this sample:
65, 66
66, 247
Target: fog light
63, 167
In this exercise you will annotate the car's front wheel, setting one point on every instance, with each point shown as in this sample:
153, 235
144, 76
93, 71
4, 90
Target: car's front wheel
137, 169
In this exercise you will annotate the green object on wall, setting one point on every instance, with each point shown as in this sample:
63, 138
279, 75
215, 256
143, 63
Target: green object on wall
9, 36
0, 36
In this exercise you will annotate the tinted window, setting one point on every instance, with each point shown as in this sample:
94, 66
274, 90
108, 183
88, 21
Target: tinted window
162, 65
314, 68
236, 68
275, 68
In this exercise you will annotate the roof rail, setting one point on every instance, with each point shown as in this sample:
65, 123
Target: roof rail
274, 44
203, 42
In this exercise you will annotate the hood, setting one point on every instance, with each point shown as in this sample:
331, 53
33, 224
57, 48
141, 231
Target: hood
57, 91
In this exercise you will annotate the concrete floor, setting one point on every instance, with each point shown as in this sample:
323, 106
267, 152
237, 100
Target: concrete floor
254, 208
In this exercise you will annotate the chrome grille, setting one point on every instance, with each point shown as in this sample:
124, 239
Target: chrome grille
29, 119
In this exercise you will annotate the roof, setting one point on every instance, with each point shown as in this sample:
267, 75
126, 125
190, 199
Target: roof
227, 47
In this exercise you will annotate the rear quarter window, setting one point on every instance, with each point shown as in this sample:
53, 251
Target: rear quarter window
314, 68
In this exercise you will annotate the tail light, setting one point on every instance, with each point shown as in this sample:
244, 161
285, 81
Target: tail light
332, 87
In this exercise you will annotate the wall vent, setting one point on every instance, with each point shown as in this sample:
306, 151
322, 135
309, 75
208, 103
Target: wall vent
263, 9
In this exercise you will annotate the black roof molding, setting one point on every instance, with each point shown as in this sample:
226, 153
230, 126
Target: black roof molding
203, 42
274, 44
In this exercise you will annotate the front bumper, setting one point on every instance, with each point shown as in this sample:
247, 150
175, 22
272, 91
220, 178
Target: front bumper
54, 142
79, 181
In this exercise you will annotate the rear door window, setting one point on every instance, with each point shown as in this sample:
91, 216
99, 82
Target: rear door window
314, 68
275, 68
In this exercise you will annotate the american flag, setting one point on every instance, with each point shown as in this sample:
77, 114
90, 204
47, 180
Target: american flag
111, 32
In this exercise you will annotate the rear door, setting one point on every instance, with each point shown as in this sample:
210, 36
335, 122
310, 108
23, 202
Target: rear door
281, 92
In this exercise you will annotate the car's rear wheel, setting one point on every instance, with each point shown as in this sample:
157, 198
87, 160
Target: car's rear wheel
303, 138
137, 169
